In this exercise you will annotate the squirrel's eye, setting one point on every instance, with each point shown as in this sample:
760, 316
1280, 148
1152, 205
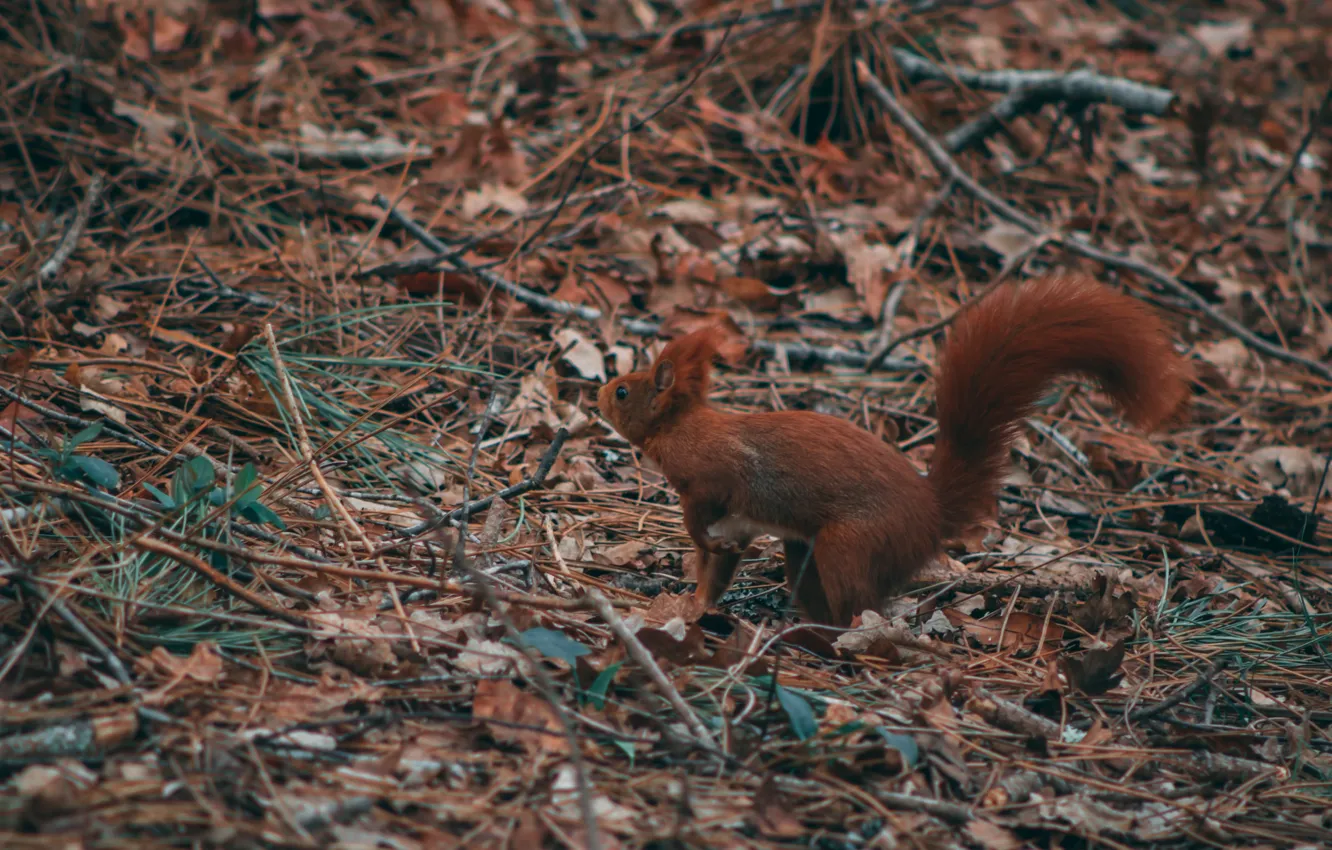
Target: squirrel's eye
621, 393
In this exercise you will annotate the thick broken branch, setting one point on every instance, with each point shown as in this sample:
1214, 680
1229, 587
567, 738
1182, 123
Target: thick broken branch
1072, 86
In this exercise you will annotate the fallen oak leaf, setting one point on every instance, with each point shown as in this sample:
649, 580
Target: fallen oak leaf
517, 716
1097, 671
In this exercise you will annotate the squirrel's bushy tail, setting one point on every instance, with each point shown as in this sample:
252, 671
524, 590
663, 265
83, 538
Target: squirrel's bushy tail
1003, 352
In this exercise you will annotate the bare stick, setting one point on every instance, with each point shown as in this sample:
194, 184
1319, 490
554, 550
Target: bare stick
1073, 86
639, 653
48, 270
1021, 101
346, 151
70, 240
790, 350
948, 167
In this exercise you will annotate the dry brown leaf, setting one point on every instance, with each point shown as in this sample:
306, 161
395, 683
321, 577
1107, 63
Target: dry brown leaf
503, 702
752, 291
443, 108
991, 836
773, 813
580, 353
1293, 468
1022, 629
1097, 670
621, 554
668, 606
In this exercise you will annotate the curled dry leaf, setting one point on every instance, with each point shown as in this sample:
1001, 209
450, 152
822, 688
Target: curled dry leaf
490, 658
1097, 670
580, 353
441, 108
203, 665
869, 270
668, 606
507, 708
1293, 468
666, 647
751, 291
883, 638
621, 554
1008, 240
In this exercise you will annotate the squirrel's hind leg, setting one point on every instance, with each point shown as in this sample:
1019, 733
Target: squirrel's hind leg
845, 554
716, 570
809, 595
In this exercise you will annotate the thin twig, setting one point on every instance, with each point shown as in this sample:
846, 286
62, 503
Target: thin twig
639, 653
68, 242
576, 37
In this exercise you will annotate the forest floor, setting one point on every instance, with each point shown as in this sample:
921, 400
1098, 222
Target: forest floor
295, 289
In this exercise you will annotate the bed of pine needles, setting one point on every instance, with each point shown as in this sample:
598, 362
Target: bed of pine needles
295, 290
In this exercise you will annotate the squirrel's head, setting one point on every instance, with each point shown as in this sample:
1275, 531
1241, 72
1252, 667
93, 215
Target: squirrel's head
640, 404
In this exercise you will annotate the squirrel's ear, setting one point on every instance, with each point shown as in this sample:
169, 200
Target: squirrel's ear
663, 375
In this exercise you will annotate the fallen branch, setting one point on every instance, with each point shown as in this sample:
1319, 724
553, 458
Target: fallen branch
1012, 717
789, 350
1020, 102
1072, 86
64, 249
348, 151
639, 653
949, 168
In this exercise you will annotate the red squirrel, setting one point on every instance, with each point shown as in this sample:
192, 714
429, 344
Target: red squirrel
813, 480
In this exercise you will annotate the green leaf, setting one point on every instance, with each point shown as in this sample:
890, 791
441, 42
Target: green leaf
246, 491
95, 471
904, 744
323, 512
597, 693
193, 477
553, 644
167, 502
627, 747
85, 435
799, 712
260, 514
217, 497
